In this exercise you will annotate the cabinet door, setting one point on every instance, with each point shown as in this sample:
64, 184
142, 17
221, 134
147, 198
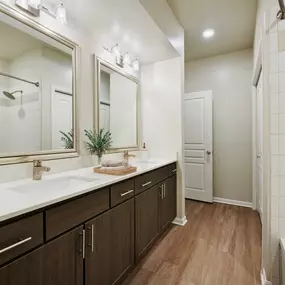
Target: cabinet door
63, 259
24, 271
122, 240
98, 250
168, 202
147, 228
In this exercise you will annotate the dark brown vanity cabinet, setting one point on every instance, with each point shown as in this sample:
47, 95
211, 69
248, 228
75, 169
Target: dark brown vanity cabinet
63, 259
110, 245
147, 219
93, 239
24, 271
167, 212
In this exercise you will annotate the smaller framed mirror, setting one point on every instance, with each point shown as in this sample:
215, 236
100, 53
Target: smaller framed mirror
116, 105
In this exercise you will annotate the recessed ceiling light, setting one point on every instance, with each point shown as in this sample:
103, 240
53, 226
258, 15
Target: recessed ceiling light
209, 33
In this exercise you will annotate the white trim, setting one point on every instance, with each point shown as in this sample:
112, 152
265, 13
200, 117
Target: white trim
263, 278
180, 222
232, 202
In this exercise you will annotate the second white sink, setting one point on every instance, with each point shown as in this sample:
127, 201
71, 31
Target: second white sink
52, 185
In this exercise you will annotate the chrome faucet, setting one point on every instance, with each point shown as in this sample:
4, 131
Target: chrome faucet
38, 170
127, 155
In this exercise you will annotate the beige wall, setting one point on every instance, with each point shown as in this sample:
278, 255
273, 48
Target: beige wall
229, 76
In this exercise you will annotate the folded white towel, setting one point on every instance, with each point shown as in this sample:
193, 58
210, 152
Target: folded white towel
112, 163
113, 168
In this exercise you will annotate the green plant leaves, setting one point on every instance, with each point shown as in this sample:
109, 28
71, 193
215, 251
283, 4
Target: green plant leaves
67, 138
98, 143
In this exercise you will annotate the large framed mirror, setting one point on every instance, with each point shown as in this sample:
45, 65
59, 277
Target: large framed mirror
116, 105
38, 74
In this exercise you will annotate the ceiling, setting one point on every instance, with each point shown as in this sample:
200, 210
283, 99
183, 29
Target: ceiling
15, 43
233, 20
125, 22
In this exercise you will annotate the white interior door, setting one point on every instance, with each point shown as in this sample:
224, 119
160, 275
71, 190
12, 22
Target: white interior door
105, 117
61, 116
198, 146
259, 147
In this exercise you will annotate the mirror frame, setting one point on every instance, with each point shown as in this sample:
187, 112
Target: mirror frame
98, 62
49, 154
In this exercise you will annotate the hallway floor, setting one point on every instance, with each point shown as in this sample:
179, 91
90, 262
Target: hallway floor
220, 245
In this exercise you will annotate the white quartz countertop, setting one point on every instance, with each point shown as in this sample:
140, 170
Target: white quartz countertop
17, 199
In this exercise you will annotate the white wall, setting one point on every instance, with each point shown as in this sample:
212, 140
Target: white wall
229, 76
161, 111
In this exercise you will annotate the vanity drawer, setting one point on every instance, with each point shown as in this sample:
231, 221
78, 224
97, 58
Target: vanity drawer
122, 192
76, 212
149, 179
172, 169
20, 237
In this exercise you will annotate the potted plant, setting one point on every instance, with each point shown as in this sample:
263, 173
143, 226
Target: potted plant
67, 139
98, 143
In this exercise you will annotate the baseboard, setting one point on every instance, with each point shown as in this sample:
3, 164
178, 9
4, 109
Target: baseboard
180, 222
232, 202
263, 278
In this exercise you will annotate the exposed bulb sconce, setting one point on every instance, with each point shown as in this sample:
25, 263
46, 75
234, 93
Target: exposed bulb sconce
61, 14
30, 6
136, 65
126, 59
115, 50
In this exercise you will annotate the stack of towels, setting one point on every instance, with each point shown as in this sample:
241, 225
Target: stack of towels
115, 165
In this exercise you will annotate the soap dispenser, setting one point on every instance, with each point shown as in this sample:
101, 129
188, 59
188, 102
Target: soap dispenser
144, 153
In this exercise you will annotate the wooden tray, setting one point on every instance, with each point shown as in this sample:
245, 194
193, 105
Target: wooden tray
115, 172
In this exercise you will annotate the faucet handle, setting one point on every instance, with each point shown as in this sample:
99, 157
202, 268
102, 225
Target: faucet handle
37, 163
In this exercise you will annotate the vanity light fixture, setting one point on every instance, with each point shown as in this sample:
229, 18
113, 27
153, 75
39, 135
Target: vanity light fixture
30, 6
136, 65
115, 50
127, 58
61, 14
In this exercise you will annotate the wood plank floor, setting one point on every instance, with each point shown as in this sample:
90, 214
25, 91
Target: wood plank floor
220, 245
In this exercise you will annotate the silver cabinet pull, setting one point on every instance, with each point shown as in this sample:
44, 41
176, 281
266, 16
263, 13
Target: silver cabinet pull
174, 170
15, 245
164, 194
92, 238
161, 192
127, 193
147, 183
83, 243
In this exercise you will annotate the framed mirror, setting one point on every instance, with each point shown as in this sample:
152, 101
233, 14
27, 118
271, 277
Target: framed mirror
37, 91
116, 105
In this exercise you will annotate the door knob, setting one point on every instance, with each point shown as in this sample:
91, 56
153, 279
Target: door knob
209, 152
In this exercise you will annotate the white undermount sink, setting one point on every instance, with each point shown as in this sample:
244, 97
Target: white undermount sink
52, 185
146, 161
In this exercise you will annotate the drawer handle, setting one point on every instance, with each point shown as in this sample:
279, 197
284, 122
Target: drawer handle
92, 238
83, 243
127, 193
15, 245
147, 183
174, 170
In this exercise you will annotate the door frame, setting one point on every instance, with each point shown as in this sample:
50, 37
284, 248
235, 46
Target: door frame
262, 60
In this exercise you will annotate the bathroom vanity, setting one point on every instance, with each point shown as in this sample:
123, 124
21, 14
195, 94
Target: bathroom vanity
95, 236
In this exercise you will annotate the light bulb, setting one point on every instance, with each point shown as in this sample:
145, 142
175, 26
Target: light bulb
116, 50
209, 33
61, 14
136, 65
127, 58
